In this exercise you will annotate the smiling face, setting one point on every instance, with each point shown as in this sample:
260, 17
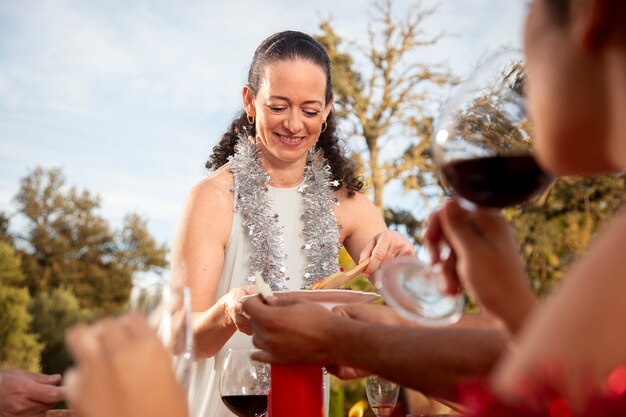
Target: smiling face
290, 109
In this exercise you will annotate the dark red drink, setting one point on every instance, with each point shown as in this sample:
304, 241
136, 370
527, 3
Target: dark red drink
496, 181
246, 405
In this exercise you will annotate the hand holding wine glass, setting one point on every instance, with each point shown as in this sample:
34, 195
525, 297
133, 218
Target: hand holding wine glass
245, 383
482, 146
382, 395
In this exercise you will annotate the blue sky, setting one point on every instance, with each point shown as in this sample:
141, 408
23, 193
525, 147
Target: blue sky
128, 97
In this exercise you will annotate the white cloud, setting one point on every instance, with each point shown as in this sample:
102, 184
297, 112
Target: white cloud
129, 96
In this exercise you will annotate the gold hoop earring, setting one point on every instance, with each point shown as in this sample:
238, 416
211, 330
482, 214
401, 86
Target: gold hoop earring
250, 119
324, 126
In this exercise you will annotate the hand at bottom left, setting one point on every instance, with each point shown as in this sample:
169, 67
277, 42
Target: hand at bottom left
121, 369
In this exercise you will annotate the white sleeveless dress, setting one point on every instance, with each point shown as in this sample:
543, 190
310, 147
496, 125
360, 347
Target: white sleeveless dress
205, 400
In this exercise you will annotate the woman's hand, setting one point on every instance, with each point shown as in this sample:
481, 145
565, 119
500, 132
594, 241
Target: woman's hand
232, 307
383, 246
484, 257
121, 369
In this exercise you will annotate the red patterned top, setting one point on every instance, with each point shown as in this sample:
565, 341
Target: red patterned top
610, 401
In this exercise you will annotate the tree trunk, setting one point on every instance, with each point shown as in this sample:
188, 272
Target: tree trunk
378, 181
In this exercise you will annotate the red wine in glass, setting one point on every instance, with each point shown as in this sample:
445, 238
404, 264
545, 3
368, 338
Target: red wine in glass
244, 383
496, 181
246, 405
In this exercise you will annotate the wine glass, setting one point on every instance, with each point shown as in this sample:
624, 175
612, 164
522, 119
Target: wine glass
244, 383
168, 311
482, 141
382, 395
482, 146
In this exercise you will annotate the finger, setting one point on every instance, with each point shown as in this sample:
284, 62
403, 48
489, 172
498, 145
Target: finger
379, 253
253, 307
72, 383
136, 326
249, 289
451, 284
243, 324
45, 394
352, 311
460, 230
83, 344
112, 335
40, 378
262, 356
259, 341
342, 310
367, 250
433, 235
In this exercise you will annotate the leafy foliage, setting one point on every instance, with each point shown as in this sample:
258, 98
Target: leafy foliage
74, 267
52, 314
18, 346
554, 232
68, 244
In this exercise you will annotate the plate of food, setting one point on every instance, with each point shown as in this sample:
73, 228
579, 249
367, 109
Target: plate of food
326, 298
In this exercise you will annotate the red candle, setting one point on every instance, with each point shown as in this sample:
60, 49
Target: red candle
296, 390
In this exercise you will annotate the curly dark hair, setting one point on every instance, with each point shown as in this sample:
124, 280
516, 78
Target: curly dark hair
282, 46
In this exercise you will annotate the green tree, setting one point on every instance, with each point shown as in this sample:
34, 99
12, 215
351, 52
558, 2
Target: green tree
554, 231
68, 244
75, 265
5, 236
19, 347
10, 267
52, 313
391, 90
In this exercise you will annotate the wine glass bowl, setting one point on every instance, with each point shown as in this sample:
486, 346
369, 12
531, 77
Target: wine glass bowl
482, 139
382, 395
414, 289
244, 383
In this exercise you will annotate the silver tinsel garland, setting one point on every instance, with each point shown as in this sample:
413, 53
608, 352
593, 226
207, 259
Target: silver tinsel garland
319, 225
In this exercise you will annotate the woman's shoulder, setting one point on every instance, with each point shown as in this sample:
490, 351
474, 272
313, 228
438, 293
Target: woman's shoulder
350, 201
353, 210
220, 182
214, 190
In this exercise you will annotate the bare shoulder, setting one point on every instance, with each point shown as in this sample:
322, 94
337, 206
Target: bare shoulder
358, 199
209, 207
355, 211
357, 205
214, 189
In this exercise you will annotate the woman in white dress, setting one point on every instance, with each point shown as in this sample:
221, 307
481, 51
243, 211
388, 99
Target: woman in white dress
281, 201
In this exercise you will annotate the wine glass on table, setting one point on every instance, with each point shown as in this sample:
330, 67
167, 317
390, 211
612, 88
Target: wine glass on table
244, 383
481, 144
382, 395
168, 310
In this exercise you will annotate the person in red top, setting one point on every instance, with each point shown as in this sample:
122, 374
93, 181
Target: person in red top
568, 356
